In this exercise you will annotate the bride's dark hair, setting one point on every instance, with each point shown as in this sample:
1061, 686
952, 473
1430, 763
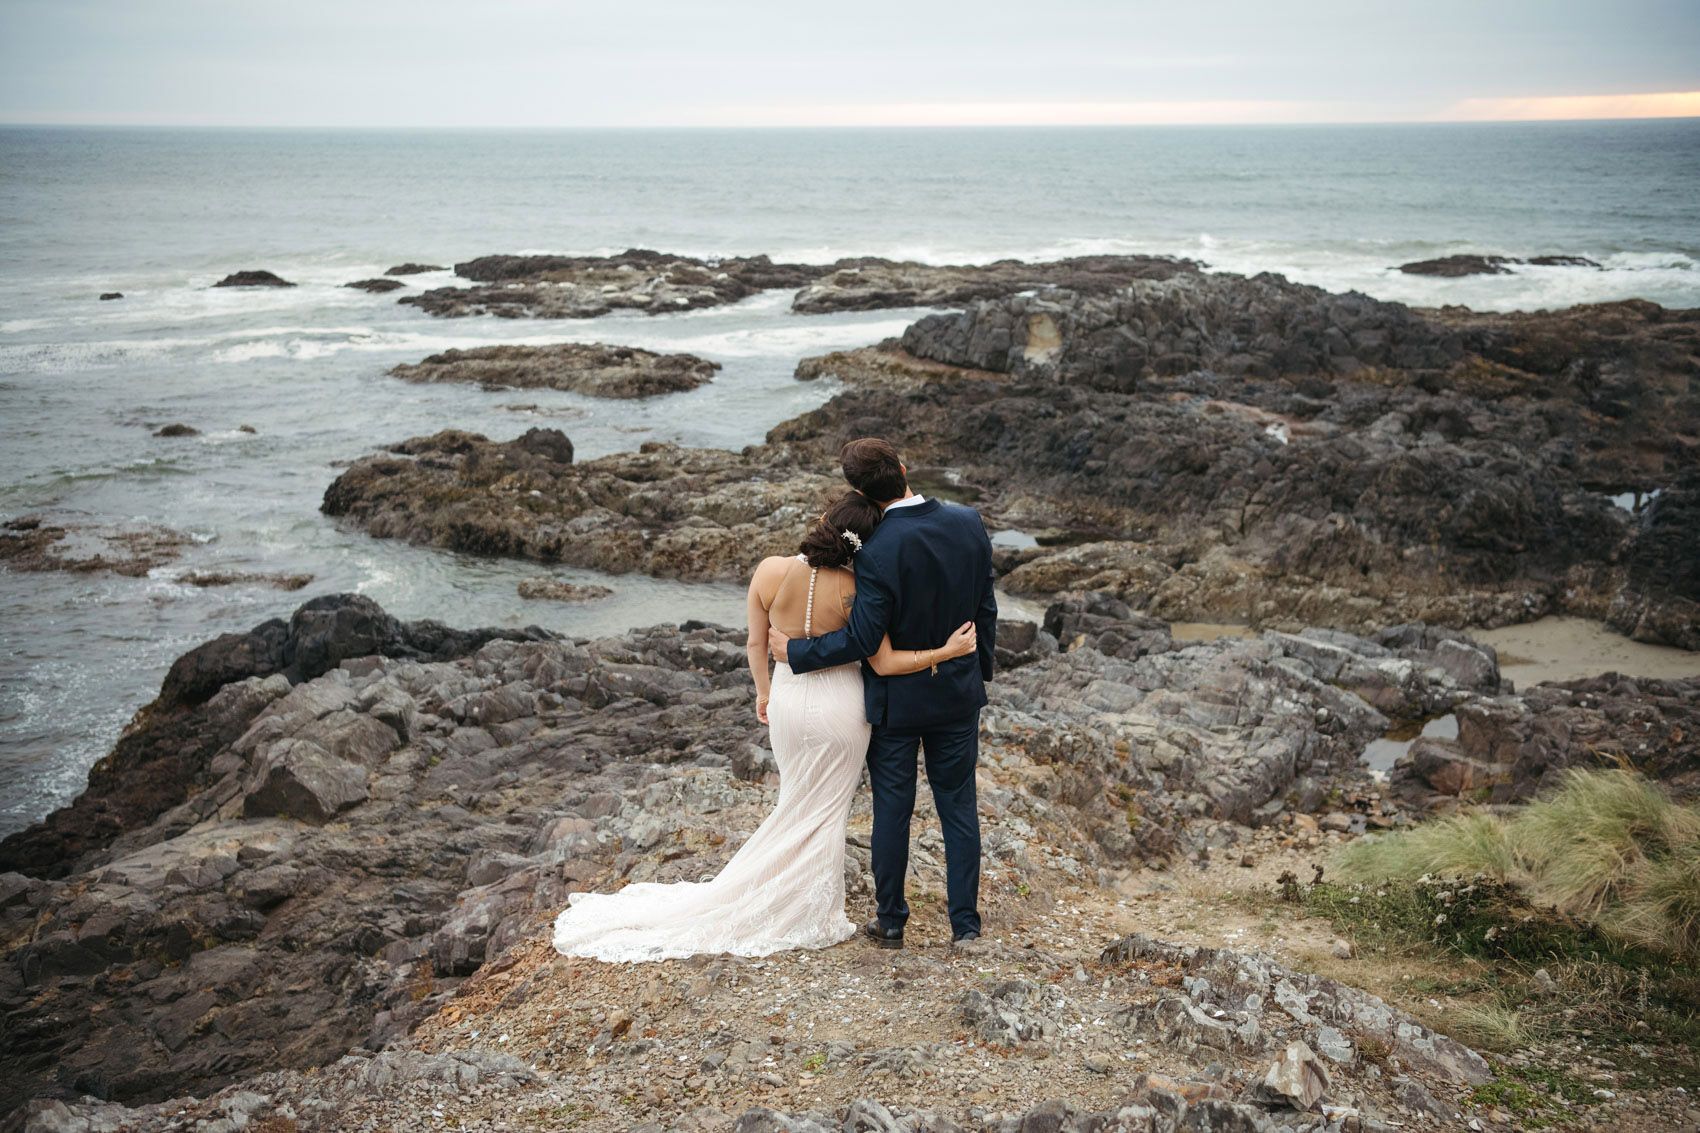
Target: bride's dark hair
824, 544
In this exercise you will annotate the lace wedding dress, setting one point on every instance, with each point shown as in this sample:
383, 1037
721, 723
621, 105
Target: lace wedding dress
785, 886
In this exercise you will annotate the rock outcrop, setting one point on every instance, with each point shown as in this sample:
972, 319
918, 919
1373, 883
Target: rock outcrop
700, 514
156, 775
1512, 748
253, 279
377, 286
1454, 267
411, 268
584, 287
1226, 449
870, 283
322, 826
588, 368
32, 543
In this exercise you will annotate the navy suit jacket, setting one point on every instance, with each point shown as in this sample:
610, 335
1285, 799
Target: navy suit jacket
926, 569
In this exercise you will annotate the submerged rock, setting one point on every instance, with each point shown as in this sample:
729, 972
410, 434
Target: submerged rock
555, 590
30, 543
589, 368
177, 429
253, 279
411, 268
112, 295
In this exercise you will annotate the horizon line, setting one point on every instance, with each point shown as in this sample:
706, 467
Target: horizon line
1647, 106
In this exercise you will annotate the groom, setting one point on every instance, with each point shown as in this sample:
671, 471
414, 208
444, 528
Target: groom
926, 569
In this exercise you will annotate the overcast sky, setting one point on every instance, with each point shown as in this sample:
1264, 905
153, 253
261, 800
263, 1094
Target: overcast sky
754, 62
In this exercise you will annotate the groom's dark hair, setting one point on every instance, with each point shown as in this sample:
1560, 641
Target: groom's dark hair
872, 467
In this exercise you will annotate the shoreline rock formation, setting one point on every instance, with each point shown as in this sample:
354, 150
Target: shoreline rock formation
253, 279
1454, 267
594, 369
322, 827
376, 286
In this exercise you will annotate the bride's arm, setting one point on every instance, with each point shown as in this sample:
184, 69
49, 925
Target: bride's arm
755, 646
889, 662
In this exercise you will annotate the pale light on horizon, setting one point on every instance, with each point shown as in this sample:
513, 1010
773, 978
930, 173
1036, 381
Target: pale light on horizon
1663, 104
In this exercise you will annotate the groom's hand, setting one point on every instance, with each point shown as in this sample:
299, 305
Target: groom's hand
779, 645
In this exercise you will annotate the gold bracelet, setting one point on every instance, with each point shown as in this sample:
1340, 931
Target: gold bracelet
933, 661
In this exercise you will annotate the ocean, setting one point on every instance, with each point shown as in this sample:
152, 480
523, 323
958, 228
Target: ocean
160, 214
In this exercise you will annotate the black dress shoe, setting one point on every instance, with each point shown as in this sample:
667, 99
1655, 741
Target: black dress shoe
966, 940
884, 937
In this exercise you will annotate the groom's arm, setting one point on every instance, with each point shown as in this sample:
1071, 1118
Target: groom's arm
870, 616
986, 616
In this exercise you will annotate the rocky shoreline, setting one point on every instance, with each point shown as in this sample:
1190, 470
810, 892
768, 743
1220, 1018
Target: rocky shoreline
1206, 447
310, 886
323, 827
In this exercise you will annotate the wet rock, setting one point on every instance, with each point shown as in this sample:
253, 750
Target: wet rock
378, 286
253, 279
276, 580
697, 514
411, 268
593, 369
105, 295
1456, 266
30, 543
554, 590
868, 284
1452, 267
582, 287
177, 429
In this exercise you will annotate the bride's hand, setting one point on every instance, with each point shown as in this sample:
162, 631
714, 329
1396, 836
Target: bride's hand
964, 641
761, 709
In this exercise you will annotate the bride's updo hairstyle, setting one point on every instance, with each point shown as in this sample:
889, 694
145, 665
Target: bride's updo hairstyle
826, 544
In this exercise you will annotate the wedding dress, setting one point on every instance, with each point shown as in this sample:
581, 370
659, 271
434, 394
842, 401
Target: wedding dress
784, 888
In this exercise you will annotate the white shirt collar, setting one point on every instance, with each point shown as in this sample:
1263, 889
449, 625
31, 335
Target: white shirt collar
906, 501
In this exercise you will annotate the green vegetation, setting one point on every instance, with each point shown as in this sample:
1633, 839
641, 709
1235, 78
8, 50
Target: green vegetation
1608, 848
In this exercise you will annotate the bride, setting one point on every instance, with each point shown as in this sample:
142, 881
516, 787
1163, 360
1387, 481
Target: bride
785, 887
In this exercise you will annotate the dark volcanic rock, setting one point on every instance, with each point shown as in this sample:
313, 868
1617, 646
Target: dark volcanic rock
1453, 267
582, 287
1247, 450
322, 826
112, 295
164, 756
376, 285
867, 284
593, 369
253, 279
697, 514
1511, 748
1662, 601
411, 268
177, 429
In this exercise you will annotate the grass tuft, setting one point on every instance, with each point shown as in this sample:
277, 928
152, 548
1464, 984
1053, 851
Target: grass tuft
1608, 847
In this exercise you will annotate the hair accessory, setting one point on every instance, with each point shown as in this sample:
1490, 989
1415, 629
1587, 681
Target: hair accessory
854, 540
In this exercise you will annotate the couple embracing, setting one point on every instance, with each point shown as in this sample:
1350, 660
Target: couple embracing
882, 629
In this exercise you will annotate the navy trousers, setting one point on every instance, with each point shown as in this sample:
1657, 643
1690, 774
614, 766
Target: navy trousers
952, 752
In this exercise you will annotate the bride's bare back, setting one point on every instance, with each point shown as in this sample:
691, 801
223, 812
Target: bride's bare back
787, 600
